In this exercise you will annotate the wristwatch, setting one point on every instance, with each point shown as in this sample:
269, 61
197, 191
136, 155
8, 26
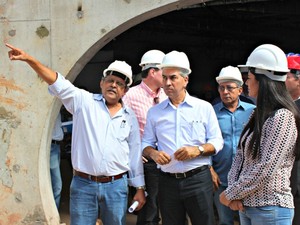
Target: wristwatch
141, 188
201, 149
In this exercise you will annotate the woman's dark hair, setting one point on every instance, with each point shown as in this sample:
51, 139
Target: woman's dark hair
272, 95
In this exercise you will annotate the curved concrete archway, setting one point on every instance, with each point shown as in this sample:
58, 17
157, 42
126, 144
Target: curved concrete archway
64, 35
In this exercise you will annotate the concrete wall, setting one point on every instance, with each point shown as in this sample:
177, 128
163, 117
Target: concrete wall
63, 35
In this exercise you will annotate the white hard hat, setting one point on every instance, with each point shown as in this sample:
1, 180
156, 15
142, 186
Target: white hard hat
177, 59
151, 58
120, 68
267, 59
228, 74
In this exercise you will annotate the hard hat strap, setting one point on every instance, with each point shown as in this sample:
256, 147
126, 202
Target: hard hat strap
118, 74
271, 75
149, 65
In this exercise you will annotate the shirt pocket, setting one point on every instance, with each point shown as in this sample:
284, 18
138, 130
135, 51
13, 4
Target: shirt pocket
195, 129
122, 131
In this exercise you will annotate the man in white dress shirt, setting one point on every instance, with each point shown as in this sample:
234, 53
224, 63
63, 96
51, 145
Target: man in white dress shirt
105, 147
187, 133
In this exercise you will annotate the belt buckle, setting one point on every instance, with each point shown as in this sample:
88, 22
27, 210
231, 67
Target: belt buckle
102, 179
180, 175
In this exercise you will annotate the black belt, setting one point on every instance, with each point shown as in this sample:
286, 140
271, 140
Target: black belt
186, 174
55, 142
150, 161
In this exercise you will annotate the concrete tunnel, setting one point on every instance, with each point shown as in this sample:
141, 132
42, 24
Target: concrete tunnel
80, 38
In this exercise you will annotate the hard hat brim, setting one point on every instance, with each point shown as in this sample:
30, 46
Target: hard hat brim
126, 75
163, 66
228, 78
265, 68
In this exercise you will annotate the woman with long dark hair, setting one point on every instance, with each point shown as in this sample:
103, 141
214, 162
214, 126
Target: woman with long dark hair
258, 182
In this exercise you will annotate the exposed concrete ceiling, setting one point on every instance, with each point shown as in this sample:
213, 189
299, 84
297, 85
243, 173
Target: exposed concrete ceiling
213, 34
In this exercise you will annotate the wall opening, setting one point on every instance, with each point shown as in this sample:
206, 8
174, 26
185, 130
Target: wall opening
213, 35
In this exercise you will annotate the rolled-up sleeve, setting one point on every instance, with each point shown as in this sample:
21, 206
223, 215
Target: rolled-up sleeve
66, 92
136, 172
149, 137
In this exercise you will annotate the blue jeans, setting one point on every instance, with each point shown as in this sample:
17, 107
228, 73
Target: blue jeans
56, 180
87, 198
192, 196
266, 215
149, 214
226, 215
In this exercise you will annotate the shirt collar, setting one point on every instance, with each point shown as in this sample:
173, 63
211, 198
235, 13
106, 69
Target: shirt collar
187, 100
240, 105
148, 90
99, 97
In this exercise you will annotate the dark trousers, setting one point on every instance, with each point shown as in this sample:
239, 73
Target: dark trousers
192, 196
149, 214
296, 220
295, 185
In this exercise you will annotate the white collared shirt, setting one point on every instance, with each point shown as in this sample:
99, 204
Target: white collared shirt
101, 144
192, 123
58, 133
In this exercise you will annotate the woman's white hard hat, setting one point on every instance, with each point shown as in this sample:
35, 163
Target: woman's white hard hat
267, 59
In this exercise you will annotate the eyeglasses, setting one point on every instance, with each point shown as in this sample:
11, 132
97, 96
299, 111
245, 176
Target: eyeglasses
118, 83
228, 88
295, 72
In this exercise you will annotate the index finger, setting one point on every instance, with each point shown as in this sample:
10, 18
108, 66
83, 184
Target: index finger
179, 151
10, 46
240, 205
165, 157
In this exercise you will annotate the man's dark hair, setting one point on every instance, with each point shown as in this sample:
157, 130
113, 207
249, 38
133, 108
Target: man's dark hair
146, 71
